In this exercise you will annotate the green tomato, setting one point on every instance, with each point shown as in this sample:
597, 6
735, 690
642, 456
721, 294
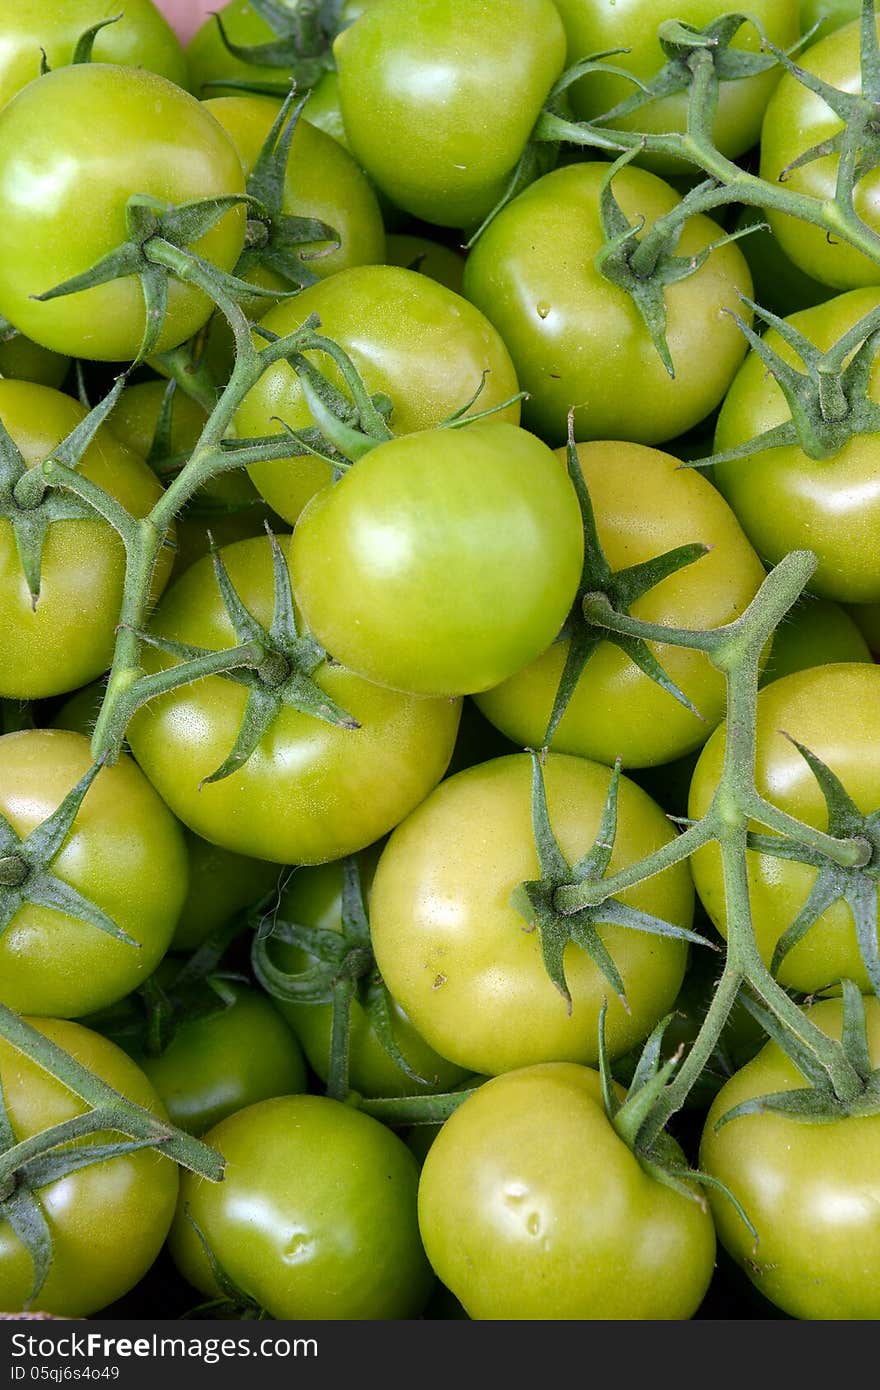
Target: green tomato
644, 505
411, 339
311, 791
321, 181
26, 361
316, 1216
786, 500
221, 884
780, 285
834, 711
219, 1063
459, 957
431, 258
597, 26
108, 1221
796, 120
139, 37
439, 99
210, 61
576, 339
74, 147
811, 1190
814, 633
67, 639
485, 516
532, 1207
125, 853
313, 898
866, 617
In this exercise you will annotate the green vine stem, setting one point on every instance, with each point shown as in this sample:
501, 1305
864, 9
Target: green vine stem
735, 650
108, 1110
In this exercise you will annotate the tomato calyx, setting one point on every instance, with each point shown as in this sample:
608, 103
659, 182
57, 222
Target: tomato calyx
857, 144
276, 663
535, 900
275, 239
633, 1119
620, 589
26, 875
303, 42
157, 246
82, 49
856, 886
818, 1102
29, 502
342, 969
32, 1163
645, 267
829, 401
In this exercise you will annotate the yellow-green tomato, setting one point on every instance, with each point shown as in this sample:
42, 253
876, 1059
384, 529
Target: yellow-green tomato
786, 500
316, 1215
311, 790
465, 964
108, 1221
645, 504
834, 711
439, 98
219, 1063
812, 1191
75, 147
321, 181
48, 30
579, 340
795, 122
532, 1207
67, 639
313, 898
411, 339
444, 561
597, 26
124, 853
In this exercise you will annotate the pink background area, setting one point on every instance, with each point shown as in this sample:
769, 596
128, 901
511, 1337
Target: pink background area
187, 15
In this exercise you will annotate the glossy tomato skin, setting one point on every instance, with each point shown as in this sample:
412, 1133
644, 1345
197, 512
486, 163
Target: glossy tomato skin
835, 712
830, 14
796, 120
644, 504
216, 1065
88, 137
313, 898
597, 26
410, 338
460, 958
578, 340
311, 791
532, 1207
322, 181
125, 853
831, 505
811, 1190
316, 1217
68, 638
485, 516
109, 1220
140, 37
421, 87
428, 257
